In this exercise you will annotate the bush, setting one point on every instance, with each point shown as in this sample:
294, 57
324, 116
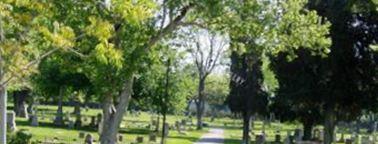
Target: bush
22, 136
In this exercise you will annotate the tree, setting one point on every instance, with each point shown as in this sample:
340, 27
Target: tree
206, 55
59, 77
352, 64
300, 85
21, 24
267, 27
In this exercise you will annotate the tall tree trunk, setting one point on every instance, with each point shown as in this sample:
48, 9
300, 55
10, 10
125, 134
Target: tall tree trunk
3, 113
59, 113
329, 124
246, 127
307, 130
112, 116
77, 113
200, 104
19, 100
163, 129
3, 91
164, 103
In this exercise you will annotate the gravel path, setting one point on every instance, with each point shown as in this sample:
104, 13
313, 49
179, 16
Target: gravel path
214, 136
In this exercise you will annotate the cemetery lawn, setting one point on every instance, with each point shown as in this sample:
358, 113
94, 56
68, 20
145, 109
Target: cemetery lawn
131, 127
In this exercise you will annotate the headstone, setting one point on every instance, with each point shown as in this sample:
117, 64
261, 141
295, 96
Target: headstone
71, 124
139, 139
321, 135
152, 137
348, 141
81, 134
277, 138
260, 139
178, 126
93, 121
298, 134
11, 121
88, 139
120, 138
316, 134
34, 120
288, 139
366, 140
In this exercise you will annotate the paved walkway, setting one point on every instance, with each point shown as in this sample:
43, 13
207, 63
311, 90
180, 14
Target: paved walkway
214, 136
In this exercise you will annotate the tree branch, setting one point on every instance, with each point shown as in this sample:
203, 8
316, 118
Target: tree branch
169, 28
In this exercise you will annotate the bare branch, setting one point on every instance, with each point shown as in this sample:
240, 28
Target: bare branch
170, 27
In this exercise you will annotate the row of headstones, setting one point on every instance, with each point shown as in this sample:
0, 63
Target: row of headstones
317, 136
89, 139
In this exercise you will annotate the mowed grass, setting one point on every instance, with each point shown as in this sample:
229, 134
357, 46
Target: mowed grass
131, 127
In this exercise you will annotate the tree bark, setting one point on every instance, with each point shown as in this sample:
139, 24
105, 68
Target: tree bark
200, 103
329, 125
19, 101
112, 116
307, 130
3, 113
246, 127
163, 129
59, 113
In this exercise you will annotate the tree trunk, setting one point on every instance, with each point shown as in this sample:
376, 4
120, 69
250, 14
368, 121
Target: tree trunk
3, 113
19, 101
77, 113
200, 104
329, 125
164, 103
307, 130
59, 113
112, 116
246, 127
164, 129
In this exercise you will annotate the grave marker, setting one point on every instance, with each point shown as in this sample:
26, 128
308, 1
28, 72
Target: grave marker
11, 121
88, 139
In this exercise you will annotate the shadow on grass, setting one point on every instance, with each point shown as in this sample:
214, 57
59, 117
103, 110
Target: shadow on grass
189, 138
51, 125
138, 131
232, 141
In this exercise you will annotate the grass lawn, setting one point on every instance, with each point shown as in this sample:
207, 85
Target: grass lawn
137, 125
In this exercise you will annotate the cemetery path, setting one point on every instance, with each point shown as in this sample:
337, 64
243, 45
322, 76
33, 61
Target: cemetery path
214, 136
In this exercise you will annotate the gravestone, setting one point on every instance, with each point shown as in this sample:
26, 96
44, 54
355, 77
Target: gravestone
289, 138
139, 139
348, 141
42, 115
298, 134
33, 120
71, 124
316, 134
81, 134
260, 139
152, 137
178, 126
93, 121
321, 135
120, 138
11, 121
277, 138
366, 140
88, 139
